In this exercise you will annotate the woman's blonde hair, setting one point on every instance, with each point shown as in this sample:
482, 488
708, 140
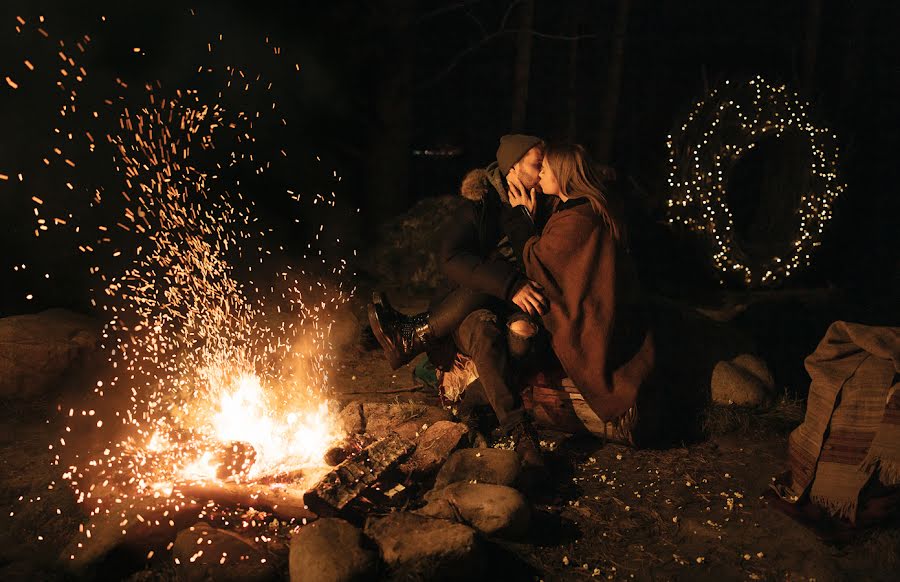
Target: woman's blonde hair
578, 177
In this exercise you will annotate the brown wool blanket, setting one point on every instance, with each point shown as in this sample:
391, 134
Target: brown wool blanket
852, 427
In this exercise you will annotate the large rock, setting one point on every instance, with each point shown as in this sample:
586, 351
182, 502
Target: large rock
330, 550
203, 552
351, 420
494, 510
496, 466
418, 547
405, 255
379, 419
37, 350
744, 381
435, 445
344, 329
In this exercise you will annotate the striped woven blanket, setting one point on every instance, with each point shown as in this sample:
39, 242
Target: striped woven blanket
851, 433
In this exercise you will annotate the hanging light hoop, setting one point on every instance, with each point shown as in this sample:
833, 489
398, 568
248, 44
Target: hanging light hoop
729, 122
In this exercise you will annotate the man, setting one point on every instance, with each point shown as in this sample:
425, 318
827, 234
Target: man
486, 285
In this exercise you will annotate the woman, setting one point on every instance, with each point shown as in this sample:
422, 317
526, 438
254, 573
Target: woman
599, 329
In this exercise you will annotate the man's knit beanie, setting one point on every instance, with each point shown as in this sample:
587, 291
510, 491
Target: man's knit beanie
513, 148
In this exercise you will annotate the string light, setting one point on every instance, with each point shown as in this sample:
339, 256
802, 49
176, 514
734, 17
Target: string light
728, 123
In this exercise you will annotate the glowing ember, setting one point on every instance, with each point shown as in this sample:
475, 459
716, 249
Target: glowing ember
226, 378
281, 443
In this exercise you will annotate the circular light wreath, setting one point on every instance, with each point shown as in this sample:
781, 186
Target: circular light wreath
729, 122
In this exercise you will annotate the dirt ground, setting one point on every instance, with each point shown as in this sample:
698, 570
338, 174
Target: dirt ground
694, 512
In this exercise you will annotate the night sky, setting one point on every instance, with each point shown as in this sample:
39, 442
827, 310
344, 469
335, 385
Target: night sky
382, 81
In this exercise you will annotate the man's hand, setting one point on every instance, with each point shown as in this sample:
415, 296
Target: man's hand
530, 299
517, 194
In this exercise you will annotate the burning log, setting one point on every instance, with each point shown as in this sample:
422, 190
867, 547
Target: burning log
353, 476
286, 503
235, 460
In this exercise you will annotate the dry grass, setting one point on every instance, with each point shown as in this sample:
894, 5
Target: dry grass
782, 417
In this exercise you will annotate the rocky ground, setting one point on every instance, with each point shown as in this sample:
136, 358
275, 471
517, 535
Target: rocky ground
692, 512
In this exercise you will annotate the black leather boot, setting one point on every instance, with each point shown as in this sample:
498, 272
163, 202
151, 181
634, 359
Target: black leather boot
527, 443
402, 337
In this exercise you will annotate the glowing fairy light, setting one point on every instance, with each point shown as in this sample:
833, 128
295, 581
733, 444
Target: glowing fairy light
729, 122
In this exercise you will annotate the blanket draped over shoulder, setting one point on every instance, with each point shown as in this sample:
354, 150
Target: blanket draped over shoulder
597, 324
852, 425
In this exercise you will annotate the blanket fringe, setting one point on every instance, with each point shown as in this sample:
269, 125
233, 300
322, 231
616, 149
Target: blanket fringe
845, 509
888, 470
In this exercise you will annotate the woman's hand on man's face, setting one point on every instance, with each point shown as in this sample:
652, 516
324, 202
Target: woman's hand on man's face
518, 196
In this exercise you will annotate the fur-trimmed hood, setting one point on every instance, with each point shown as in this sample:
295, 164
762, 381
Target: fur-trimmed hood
482, 181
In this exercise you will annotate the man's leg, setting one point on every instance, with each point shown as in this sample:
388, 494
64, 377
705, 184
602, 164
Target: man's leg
404, 337
481, 337
485, 341
446, 315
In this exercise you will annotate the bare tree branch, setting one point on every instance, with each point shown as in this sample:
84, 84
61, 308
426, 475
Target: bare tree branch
458, 57
477, 22
559, 36
463, 4
488, 38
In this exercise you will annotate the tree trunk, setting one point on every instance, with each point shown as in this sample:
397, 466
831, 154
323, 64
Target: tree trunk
575, 15
613, 83
388, 159
522, 70
810, 45
855, 47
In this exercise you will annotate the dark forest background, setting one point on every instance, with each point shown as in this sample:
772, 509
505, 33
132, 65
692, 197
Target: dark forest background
401, 97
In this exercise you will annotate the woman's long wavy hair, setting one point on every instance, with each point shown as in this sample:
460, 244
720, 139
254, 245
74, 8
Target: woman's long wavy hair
579, 177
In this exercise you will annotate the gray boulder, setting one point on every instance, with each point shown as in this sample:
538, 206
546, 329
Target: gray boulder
435, 445
744, 381
495, 466
37, 350
330, 550
203, 552
379, 419
405, 256
493, 510
419, 547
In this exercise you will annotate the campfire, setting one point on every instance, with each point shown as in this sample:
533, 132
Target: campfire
220, 383
216, 403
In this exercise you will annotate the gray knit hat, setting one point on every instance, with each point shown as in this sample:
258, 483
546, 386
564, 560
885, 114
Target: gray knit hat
513, 148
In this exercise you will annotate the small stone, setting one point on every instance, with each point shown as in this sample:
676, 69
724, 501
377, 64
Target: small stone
330, 550
493, 510
496, 466
199, 550
744, 381
350, 420
418, 547
404, 418
435, 446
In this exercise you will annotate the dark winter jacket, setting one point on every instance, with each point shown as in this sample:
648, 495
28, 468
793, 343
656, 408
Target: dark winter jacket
474, 251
